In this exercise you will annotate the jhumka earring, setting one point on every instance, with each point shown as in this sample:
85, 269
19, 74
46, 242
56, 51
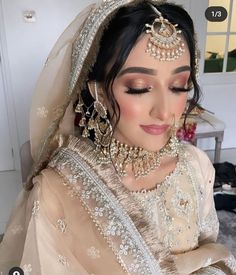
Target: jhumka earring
101, 125
83, 121
165, 44
98, 121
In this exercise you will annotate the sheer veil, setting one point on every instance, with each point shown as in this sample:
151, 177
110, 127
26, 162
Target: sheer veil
63, 76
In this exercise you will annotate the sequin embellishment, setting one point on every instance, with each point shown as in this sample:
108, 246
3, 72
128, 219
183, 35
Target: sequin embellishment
114, 223
42, 112
61, 224
63, 260
93, 253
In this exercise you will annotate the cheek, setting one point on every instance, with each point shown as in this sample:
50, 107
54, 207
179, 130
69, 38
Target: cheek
130, 109
180, 106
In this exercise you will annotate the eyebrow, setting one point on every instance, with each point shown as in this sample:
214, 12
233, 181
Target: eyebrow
142, 70
181, 69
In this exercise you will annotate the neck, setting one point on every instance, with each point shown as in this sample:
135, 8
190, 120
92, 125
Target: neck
140, 161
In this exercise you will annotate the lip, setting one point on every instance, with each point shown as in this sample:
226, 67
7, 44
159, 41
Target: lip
155, 129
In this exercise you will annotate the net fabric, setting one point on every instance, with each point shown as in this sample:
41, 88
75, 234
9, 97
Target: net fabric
63, 75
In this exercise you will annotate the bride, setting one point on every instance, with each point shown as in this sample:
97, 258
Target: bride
112, 190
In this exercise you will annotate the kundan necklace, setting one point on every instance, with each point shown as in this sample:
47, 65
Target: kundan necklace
142, 161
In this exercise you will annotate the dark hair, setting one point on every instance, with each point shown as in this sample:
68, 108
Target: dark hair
122, 34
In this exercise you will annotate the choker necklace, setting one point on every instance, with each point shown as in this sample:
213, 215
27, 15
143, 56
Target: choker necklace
143, 162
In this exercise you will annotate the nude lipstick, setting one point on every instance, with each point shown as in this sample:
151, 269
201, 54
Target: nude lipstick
155, 129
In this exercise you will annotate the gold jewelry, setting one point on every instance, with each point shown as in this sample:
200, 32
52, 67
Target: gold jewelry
102, 126
165, 44
143, 162
98, 121
83, 121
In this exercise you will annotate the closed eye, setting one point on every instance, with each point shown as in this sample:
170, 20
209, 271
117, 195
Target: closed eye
138, 91
146, 90
180, 89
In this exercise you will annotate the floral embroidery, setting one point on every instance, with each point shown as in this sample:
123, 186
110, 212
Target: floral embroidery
63, 260
94, 193
17, 229
182, 203
113, 228
61, 224
93, 253
42, 112
27, 269
98, 211
35, 208
124, 249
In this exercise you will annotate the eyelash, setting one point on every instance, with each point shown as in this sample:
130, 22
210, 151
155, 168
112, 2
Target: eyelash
146, 90
138, 91
180, 89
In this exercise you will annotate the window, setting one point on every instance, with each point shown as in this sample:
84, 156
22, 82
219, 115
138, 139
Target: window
220, 48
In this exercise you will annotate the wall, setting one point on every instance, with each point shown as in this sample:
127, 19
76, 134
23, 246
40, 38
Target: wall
28, 45
218, 88
221, 100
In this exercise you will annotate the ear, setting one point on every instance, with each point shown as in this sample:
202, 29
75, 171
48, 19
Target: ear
96, 91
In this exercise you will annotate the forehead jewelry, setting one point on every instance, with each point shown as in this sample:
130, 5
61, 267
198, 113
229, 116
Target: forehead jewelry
165, 44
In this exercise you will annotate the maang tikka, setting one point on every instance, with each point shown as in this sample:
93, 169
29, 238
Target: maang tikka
97, 121
165, 44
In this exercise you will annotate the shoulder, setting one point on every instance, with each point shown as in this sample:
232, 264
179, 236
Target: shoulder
200, 161
48, 179
197, 154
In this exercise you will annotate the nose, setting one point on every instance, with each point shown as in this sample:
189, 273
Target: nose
161, 107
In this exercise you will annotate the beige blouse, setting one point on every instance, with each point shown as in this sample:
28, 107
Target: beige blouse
181, 209
65, 226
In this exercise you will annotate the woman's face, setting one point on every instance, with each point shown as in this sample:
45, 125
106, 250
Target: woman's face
149, 94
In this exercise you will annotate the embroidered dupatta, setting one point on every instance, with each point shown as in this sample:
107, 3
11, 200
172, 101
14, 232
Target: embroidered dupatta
71, 223
89, 184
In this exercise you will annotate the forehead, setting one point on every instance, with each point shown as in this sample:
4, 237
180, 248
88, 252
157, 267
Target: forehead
139, 58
